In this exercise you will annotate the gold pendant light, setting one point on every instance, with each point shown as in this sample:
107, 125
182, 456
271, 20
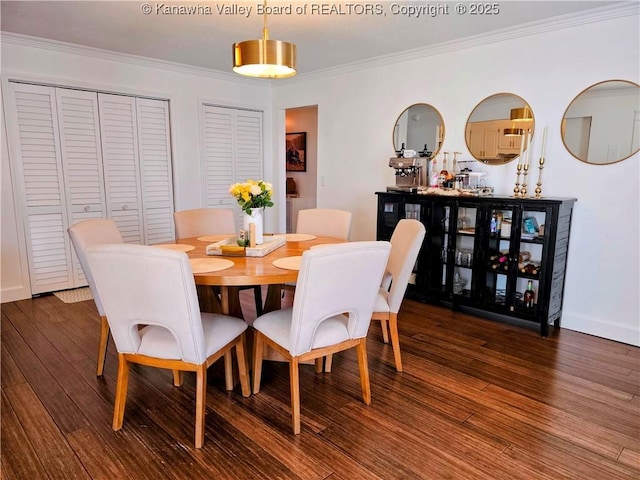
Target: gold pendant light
264, 58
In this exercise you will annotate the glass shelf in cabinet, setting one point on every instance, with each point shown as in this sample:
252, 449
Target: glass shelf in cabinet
538, 240
529, 276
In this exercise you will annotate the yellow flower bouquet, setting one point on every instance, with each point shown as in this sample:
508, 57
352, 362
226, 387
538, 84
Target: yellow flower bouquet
252, 194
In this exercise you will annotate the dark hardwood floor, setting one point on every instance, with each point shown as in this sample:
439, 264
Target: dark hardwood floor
477, 400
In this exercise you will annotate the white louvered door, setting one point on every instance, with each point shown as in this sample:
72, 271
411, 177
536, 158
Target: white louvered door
79, 155
118, 128
155, 170
232, 153
82, 160
34, 126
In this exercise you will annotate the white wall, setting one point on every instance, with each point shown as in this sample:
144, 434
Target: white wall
13, 260
358, 108
185, 89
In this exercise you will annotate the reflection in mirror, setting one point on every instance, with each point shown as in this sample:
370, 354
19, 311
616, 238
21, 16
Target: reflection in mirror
420, 126
497, 128
602, 124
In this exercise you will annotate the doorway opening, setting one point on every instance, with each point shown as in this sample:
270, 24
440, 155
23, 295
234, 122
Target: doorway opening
301, 164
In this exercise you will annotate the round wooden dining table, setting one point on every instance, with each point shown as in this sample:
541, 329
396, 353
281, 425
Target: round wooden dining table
245, 271
248, 271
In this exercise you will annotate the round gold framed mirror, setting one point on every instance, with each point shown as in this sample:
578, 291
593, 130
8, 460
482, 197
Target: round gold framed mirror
602, 123
497, 128
419, 127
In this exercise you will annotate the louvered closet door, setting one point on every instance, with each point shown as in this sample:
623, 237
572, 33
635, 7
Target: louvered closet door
34, 128
155, 170
81, 160
232, 152
118, 130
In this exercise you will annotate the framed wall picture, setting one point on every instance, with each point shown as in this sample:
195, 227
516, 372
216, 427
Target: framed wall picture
296, 147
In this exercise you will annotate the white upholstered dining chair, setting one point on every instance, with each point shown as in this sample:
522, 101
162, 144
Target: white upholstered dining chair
200, 222
83, 235
406, 242
327, 222
149, 296
337, 288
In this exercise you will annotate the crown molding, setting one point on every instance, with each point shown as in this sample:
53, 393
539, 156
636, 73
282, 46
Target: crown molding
596, 15
561, 22
137, 60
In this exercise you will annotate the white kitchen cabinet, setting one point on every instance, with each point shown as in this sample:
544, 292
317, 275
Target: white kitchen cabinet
482, 139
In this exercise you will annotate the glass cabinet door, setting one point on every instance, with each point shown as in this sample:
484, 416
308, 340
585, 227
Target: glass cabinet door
531, 252
389, 216
436, 270
501, 255
413, 211
463, 252
416, 211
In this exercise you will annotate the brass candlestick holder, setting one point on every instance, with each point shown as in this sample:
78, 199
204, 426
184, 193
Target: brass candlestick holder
523, 188
538, 190
516, 190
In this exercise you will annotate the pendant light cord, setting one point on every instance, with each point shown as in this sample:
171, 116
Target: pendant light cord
265, 29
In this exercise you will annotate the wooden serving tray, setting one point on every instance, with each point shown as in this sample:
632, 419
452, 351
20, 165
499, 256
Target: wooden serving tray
229, 247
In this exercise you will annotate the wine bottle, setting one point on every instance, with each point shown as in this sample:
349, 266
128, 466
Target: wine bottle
529, 295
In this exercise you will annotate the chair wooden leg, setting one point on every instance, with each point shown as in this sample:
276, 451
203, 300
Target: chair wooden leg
201, 401
228, 370
364, 371
104, 343
257, 361
395, 340
121, 392
242, 366
295, 394
385, 334
328, 361
177, 378
319, 364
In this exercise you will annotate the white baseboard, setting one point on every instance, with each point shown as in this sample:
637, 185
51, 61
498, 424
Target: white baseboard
14, 294
592, 326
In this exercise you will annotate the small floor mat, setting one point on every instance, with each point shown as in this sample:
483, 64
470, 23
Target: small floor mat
75, 295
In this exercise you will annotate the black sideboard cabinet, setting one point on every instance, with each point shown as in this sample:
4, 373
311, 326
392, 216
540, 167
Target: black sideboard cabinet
480, 253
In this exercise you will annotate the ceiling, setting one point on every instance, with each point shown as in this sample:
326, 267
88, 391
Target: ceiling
340, 35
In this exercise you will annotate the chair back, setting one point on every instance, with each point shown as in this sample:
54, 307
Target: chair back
405, 245
204, 221
336, 280
144, 285
87, 233
326, 222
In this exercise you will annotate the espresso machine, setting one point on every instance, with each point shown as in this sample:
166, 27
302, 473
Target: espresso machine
408, 174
